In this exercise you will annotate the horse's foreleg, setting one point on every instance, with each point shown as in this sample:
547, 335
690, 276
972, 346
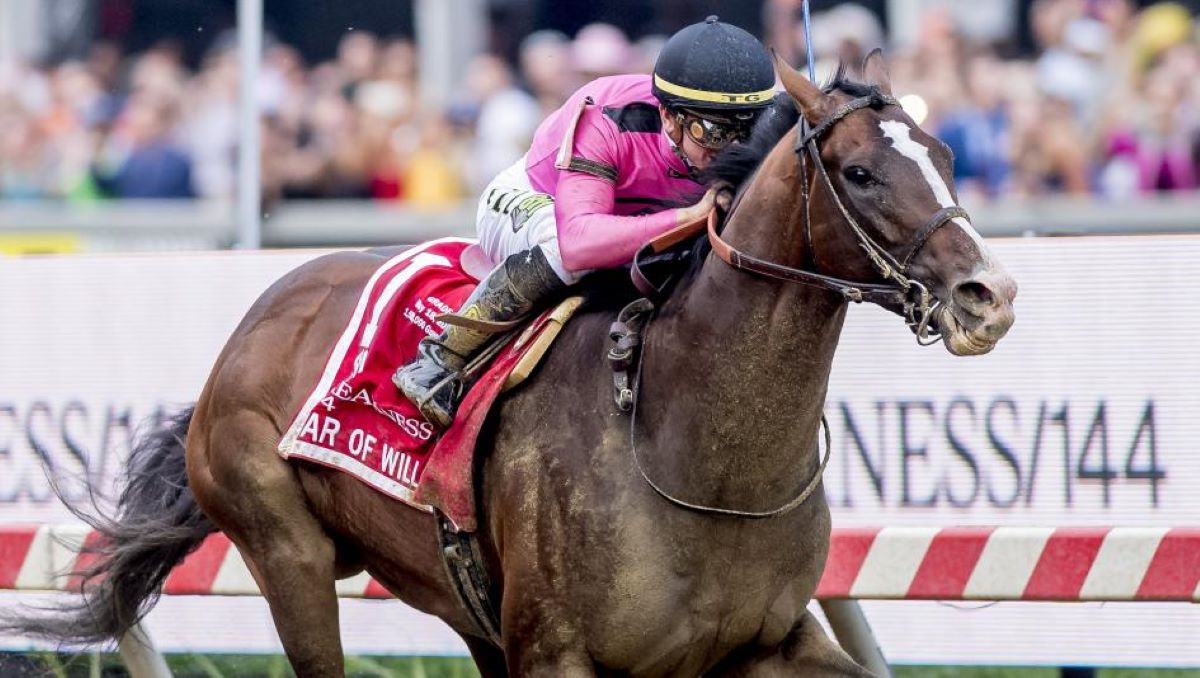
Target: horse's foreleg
257, 499
539, 641
806, 651
540, 654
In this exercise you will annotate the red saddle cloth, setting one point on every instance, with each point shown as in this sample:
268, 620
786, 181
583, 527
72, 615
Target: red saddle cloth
356, 421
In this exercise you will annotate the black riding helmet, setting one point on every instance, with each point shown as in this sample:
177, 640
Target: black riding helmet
716, 77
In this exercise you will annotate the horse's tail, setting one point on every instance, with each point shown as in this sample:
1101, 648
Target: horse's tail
157, 523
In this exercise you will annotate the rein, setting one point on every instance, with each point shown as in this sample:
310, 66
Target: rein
902, 294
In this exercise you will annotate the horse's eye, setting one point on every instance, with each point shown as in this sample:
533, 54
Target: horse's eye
858, 176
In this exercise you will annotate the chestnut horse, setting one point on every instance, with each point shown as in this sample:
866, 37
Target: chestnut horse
611, 549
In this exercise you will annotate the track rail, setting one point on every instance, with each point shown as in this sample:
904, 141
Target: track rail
891, 563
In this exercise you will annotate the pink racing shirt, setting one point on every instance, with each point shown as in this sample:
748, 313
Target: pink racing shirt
612, 171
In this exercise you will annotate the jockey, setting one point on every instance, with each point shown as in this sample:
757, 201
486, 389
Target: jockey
597, 183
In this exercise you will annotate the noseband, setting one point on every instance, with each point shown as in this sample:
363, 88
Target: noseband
901, 293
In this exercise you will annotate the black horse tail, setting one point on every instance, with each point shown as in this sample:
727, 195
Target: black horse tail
157, 524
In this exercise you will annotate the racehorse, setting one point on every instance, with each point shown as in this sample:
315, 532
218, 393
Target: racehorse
684, 540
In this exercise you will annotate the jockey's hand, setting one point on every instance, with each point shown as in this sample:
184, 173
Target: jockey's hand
719, 196
724, 196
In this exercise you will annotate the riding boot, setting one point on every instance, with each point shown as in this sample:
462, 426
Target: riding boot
433, 381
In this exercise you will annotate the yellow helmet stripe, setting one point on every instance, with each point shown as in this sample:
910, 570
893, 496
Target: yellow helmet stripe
713, 97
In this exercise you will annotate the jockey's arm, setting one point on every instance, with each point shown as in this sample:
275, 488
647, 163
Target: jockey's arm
590, 236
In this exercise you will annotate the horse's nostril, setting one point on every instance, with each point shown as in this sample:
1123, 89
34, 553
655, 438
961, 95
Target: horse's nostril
974, 296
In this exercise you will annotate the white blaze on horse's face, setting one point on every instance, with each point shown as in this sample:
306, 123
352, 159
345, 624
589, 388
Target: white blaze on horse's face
901, 136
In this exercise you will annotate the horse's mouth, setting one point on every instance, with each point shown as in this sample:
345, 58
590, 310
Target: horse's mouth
963, 341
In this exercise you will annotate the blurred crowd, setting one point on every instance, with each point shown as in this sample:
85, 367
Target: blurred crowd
1109, 104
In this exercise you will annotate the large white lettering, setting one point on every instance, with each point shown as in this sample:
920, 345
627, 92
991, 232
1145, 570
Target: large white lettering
399, 465
361, 443
312, 426
329, 431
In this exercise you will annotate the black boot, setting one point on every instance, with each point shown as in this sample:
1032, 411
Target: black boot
514, 288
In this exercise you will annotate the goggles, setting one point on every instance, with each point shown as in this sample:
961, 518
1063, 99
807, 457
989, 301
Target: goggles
713, 134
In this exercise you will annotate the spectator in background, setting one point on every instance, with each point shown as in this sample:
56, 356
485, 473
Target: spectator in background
357, 58
779, 20
1071, 68
505, 121
1159, 28
1118, 17
160, 72
70, 127
383, 109
846, 33
432, 176
978, 130
934, 68
139, 159
398, 64
211, 129
286, 91
1152, 148
1150, 122
599, 50
1048, 148
105, 62
545, 60
24, 169
645, 53
335, 146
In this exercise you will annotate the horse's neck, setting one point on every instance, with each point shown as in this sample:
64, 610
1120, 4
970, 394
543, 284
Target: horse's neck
738, 366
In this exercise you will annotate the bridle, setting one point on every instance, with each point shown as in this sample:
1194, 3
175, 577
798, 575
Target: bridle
900, 293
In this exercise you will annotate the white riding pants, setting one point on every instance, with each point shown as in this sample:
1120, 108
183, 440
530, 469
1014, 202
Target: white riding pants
513, 217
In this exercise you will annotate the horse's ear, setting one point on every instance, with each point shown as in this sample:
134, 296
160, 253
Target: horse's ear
811, 99
875, 71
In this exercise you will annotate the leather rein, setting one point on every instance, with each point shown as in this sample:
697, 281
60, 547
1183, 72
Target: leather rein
901, 293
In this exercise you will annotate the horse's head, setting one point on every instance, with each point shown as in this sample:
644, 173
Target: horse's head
893, 189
